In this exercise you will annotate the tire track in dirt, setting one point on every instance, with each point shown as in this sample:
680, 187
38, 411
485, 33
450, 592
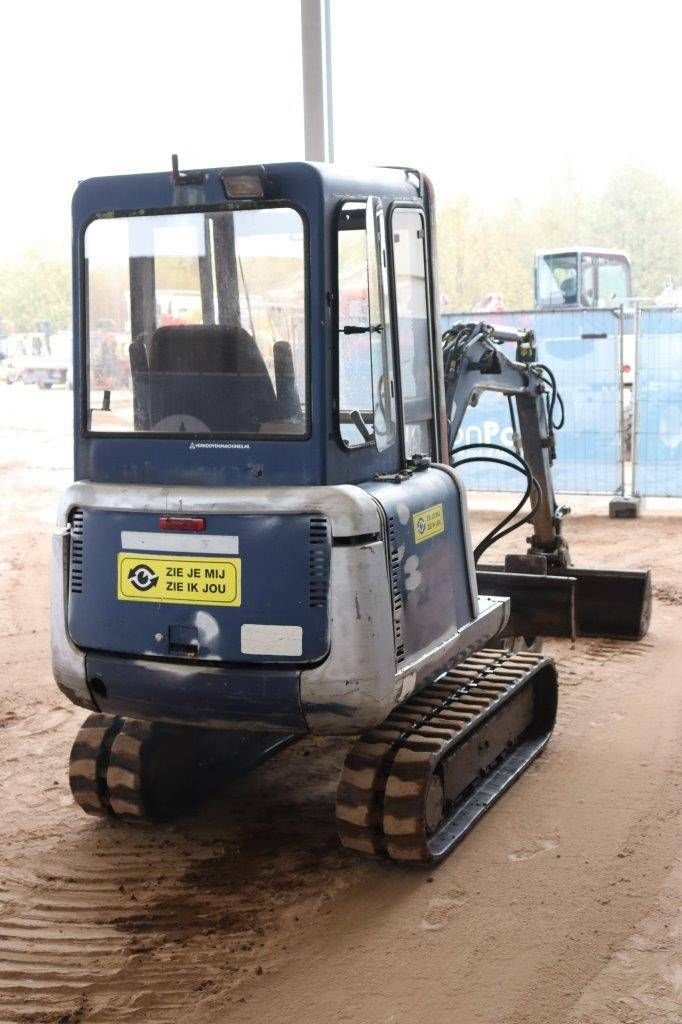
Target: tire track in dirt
136, 919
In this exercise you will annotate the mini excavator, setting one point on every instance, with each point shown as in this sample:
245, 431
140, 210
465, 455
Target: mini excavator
268, 536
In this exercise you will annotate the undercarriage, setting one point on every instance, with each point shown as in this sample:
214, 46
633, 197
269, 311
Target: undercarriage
413, 787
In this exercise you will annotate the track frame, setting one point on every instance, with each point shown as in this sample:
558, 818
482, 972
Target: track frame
470, 733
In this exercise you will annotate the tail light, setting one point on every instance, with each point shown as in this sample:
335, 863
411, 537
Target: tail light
183, 524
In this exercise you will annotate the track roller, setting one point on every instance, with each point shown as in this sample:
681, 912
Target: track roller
135, 770
89, 762
414, 786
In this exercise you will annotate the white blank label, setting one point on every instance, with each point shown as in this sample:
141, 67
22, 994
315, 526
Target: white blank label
195, 543
272, 640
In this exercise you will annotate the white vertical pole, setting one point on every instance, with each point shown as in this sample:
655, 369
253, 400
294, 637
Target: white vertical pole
316, 47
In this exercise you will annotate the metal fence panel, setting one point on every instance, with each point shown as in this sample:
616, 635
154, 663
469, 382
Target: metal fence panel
488, 421
583, 350
657, 447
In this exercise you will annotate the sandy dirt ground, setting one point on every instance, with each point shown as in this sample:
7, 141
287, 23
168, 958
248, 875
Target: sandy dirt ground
563, 906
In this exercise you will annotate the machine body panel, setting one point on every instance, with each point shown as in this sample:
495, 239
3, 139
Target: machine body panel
358, 677
247, 588
237, 698
432, 586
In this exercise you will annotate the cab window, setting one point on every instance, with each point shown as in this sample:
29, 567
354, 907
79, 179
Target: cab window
614, 280
355, 373
196, 323
413, 331
366, 390
557, 282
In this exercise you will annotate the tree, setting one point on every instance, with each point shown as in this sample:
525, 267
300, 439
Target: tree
640, 213
37, 287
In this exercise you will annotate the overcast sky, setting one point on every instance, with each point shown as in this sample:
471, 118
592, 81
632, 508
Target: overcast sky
494, 99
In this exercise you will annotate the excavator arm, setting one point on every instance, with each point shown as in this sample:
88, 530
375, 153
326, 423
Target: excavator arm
549, 595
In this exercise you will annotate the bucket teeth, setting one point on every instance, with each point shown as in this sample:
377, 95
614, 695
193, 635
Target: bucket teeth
465, 738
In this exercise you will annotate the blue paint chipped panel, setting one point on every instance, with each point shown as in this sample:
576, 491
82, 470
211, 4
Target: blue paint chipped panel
429, 569
277, 568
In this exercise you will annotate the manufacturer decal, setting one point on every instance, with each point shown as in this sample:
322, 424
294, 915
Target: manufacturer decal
194, 445
428, 523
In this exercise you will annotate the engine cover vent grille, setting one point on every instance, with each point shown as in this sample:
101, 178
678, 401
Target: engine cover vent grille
319, 562
396, 592
76, 561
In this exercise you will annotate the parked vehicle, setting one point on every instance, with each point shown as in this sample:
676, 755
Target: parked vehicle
586, 278
38, 359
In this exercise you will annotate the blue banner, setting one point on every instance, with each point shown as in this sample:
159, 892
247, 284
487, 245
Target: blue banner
582, 348
658, 404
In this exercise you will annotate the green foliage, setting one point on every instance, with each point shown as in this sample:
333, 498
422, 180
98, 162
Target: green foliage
481, 252
36, 287
643, 215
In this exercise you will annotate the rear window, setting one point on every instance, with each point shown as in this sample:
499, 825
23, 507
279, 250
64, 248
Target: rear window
196, 324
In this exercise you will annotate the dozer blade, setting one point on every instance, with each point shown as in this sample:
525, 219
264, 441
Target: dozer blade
611, 603
615, 604
539, 605
416, 785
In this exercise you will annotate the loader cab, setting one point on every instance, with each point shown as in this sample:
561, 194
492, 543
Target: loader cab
255, 326
581, 279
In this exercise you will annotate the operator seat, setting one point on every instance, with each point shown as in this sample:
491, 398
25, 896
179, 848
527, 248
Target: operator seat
205, 378
569, 290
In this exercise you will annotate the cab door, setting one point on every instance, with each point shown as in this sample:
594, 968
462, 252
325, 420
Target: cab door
428, 541
413, 331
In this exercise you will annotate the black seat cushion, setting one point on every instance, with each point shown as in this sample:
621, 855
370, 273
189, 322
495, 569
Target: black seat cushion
208, 377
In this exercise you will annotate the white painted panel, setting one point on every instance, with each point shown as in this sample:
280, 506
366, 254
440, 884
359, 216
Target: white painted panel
272, 640
195, 543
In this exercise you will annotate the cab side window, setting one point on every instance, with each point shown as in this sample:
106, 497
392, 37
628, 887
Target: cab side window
355, 364
414, 335
366, 390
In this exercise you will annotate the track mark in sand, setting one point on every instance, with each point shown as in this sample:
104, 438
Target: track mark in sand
642, 981
586, 660
667, 594
441, 908
601, 723
45, 721
138, 921
533, 849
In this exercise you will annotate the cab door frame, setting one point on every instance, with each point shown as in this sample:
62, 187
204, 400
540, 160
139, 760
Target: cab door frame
431, 327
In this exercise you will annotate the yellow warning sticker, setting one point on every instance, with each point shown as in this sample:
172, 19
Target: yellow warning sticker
428, 523
179, 580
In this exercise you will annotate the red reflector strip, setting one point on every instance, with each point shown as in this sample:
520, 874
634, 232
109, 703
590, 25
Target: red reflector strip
183, 524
